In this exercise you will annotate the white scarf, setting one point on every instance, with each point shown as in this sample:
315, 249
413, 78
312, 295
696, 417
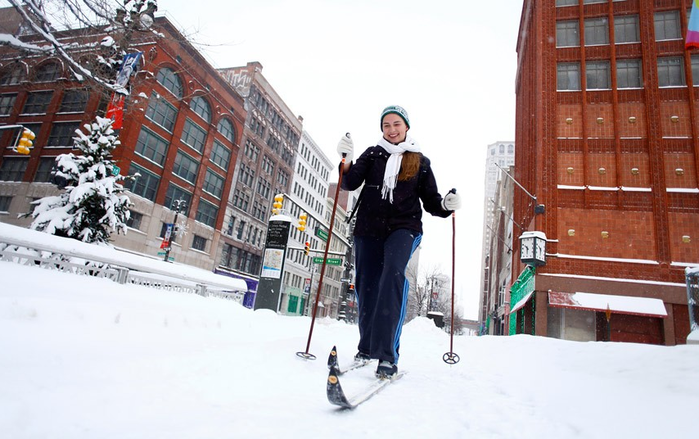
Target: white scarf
390, 176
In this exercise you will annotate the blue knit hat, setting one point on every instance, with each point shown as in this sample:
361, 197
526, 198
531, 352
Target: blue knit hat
400, 111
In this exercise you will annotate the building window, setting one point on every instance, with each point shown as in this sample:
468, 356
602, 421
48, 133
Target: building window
597, 75
194, 135
171, 81
5, 202
37, 102
206, 213
695, 69
47, 72
629, 73
568, 76
74, 101
175, 193
667, 25
199, 243
213, 183
596, 31
145, 184
228, 255
43, 172
263, 187
241, 200
161, 112
13, 75
241, 229
247, 175
267, 165
186, 167
252, 151
567, 34
626, 29
671, 72
282, 177
225, 127
201, 106
220, 155
13, 168
62, 134
134, 220
7, 103
151, 146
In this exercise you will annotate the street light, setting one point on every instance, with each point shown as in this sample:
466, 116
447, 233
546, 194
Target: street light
177, 205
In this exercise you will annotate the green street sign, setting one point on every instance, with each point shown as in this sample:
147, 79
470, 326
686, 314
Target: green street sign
115, 170
322, 234
331, 261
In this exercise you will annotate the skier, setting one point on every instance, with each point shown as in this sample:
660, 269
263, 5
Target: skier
396, 178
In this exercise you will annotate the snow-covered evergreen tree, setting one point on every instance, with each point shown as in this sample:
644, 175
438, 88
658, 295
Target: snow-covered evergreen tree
94, 203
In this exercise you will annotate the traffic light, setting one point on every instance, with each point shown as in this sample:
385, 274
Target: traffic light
277, 205
302, 222
307, 248
25, 142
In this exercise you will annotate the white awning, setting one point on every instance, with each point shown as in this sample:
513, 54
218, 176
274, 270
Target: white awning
522, 302
641, 306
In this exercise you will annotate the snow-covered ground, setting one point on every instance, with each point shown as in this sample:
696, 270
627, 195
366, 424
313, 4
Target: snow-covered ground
82, 357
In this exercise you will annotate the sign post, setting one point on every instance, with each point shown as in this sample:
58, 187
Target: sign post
270, 286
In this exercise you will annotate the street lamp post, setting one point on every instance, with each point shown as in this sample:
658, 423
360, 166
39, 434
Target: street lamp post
177, 205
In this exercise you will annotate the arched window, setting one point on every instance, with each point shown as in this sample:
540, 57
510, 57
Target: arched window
200, 106
225, 127
13, 74
48, 72
170, 80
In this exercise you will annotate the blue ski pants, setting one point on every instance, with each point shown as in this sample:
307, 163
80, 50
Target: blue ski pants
382, 291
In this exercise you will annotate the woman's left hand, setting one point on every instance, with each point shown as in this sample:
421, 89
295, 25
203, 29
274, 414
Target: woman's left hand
451, 201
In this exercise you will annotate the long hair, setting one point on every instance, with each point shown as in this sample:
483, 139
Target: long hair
409, 166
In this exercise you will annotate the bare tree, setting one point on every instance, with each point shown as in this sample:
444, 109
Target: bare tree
47, 18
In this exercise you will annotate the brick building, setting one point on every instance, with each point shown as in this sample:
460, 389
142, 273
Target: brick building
607, 135
182, 130
270, 140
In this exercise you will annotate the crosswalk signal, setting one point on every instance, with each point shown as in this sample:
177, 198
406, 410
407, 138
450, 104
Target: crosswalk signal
277, 205
302, 222
25, 142
307, 248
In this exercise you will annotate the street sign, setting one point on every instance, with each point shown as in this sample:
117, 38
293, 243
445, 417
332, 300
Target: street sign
331, 261
322, 234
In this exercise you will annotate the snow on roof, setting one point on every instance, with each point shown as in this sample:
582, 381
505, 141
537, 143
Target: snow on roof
644, 306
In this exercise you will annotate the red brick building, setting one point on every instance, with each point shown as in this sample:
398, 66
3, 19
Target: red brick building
608, 142
182, 132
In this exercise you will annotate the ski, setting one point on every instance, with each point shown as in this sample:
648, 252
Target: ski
333, 362
338, 397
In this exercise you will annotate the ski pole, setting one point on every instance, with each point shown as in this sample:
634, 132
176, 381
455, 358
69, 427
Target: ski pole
450, 357
306, 355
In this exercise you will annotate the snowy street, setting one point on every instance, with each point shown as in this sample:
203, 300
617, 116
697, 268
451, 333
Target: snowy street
89, 358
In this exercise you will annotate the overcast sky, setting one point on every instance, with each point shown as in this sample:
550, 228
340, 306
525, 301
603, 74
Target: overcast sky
450, 63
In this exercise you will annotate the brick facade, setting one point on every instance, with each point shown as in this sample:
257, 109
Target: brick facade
615, 167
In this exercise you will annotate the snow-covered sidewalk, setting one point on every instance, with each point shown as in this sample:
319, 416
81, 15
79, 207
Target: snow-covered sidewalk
88, 358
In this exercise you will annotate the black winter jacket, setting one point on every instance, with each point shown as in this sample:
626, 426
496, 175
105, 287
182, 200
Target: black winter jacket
378, 217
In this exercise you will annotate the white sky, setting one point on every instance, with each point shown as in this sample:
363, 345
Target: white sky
450, 63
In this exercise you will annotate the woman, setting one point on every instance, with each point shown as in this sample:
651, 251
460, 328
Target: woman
396, 179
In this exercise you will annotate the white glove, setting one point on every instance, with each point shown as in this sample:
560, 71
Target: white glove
451, 201
346, 146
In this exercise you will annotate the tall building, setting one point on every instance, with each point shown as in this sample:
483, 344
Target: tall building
270, 140
500, 155
308, 196
182, 128
607, 134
